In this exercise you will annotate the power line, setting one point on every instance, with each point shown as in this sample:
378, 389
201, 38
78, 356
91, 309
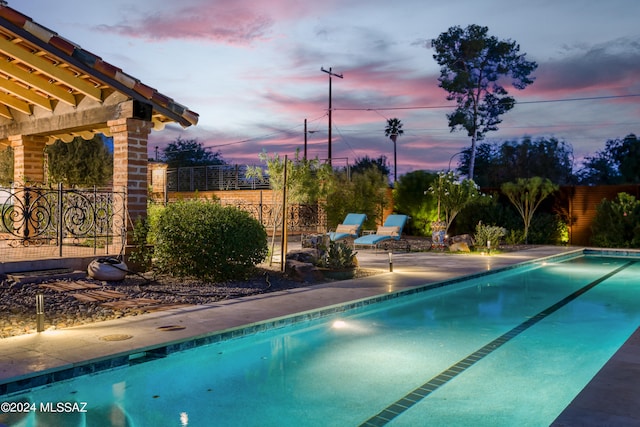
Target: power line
430, 107
257, 138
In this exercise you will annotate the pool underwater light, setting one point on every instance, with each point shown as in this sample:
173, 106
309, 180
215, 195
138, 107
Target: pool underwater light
339, 324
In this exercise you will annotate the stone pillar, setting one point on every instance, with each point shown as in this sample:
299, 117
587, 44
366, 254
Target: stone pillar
130, 165
28, 159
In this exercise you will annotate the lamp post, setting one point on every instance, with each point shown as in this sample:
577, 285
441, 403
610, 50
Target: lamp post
331, 74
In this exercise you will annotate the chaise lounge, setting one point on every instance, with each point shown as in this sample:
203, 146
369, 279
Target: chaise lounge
391, 229
350, 227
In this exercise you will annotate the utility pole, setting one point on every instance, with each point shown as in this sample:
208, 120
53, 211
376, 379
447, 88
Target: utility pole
305, 140
330, 75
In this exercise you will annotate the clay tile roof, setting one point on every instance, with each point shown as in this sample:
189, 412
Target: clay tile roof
38, 66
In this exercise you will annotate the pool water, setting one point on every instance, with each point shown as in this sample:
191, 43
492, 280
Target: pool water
504, 349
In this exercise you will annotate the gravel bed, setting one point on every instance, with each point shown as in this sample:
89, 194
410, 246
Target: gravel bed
63, 310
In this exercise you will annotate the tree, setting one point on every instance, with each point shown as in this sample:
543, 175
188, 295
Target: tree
409, 198
393, 130
618, 163
453, 195
363, 163
526, 194
6, 166
544, 157
365, 192
189, 152
305, 181
80, 162
599, 169
472, 67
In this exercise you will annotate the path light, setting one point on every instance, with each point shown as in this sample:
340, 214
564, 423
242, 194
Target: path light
391, 262
39, 312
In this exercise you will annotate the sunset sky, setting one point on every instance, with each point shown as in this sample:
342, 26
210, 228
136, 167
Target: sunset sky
251, 69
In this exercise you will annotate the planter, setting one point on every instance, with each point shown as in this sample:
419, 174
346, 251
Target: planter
339, 273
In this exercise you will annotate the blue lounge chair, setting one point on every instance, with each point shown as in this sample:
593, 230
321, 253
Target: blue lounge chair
350, 227
391, 229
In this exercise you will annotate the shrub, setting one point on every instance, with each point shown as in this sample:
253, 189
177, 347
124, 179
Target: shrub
488, 233
409, 198
144, 238
142, 253
617, 223
208, 241
338, 255
514, 237
547, 229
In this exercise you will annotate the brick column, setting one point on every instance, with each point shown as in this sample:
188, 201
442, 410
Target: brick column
28, 159
130, 164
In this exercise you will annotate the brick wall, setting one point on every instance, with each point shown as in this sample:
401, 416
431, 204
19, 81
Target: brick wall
130, 162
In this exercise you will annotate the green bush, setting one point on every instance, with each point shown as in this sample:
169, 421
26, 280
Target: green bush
514, 237
547, 229
488, 233
617, 223
338, 255
410, 198
208, 241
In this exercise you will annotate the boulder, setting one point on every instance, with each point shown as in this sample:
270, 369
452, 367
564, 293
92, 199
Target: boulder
462, 238
308, 255
303, 271
459, 247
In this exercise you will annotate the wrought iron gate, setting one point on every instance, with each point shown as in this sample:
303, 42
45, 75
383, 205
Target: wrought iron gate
47, 222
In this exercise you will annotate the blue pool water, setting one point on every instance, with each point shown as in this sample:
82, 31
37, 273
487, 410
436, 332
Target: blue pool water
504, 349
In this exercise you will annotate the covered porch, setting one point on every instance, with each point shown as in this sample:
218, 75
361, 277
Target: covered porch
51, 89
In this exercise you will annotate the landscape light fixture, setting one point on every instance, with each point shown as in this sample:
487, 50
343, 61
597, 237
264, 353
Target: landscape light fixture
331, 74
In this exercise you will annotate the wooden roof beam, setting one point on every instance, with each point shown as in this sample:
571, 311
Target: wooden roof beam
38, 63
4, 112
26, 94
15, 103
39, 81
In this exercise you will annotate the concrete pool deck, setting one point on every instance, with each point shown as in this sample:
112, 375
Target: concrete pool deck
611, 398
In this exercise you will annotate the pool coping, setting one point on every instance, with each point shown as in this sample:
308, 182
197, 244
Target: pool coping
40, 378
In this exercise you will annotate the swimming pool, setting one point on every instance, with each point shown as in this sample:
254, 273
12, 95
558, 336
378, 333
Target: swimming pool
511, 348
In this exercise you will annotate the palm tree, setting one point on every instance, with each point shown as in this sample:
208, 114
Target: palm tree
393, 129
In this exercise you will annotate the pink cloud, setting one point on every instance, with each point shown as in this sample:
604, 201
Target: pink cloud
240, 22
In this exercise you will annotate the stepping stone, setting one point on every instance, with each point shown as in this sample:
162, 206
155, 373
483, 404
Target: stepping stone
69, 286
96, 296
36, 276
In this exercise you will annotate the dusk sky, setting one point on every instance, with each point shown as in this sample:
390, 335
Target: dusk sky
251, 70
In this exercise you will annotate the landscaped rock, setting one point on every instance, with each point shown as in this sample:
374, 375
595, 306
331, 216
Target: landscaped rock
303, 271
462, 238
459, 247
306, 255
